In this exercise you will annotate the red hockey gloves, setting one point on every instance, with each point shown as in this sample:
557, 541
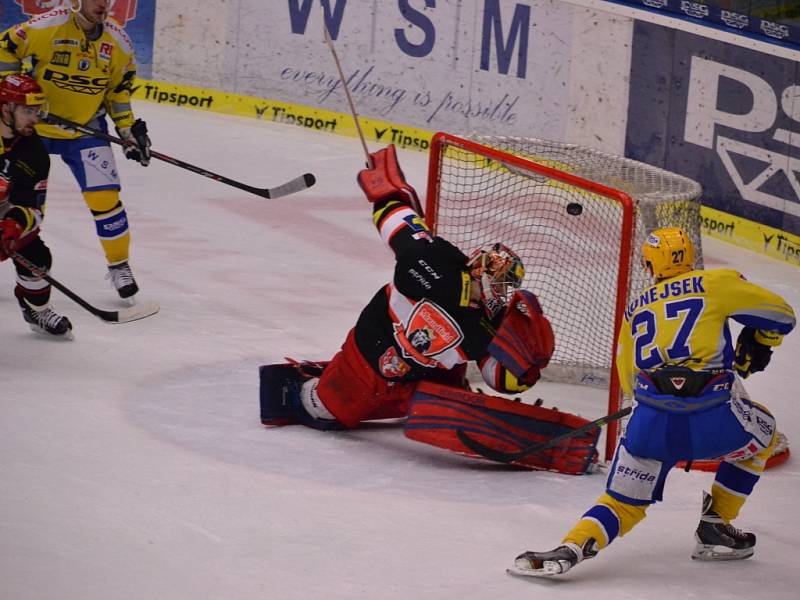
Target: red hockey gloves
524, 342
137, 142
5, 187
753, 350
385, 180
10, 232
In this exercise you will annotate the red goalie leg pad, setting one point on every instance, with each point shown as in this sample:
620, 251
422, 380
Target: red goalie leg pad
437, 412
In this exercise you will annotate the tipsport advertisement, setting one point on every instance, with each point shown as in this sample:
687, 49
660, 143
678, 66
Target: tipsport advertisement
137, 17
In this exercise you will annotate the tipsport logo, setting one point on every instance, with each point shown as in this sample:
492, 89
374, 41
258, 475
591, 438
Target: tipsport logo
765, 172
121, 11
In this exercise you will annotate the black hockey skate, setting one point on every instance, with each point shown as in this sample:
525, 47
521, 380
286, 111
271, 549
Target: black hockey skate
44, 320
554, 562
717, 540
122, 279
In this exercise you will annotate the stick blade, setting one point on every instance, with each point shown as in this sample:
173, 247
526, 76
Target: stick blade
297, 184
137, 312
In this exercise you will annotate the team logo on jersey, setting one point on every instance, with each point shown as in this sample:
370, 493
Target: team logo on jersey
121, 11
429, 332
678, 382
391, 365
105, 51
84, 64
61, 59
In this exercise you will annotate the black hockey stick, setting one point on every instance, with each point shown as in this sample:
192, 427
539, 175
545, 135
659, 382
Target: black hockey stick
508, 457
134, 313
290, 187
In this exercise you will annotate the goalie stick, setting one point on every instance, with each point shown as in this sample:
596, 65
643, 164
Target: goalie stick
508, 457
297, 184
133, 313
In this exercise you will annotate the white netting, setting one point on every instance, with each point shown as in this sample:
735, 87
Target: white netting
572, 260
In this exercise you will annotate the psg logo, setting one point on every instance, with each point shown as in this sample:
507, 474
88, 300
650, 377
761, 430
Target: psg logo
121, 11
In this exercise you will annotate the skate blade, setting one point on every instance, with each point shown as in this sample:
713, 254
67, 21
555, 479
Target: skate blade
65, 337
718, 553
129, 301
545, 573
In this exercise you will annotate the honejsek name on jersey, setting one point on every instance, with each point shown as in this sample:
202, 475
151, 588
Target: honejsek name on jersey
680, 287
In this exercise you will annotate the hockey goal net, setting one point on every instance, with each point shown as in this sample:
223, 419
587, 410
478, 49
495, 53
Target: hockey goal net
577, 217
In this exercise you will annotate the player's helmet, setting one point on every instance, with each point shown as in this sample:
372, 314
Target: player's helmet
668, 252
22, 90
499, 271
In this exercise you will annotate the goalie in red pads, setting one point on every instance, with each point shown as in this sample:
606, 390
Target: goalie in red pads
441, 310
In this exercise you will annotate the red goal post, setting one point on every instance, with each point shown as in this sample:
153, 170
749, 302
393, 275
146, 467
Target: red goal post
577, 218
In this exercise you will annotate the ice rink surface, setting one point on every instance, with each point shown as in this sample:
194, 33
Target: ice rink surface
133, 464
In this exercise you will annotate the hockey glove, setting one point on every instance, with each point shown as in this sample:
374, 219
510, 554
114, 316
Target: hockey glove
385, 180
753, 350
10, 232
136, 142
5, 187
524, 342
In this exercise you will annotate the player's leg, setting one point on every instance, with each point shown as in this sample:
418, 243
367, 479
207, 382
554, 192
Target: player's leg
642, 462
751, 430
351, 391
33, 292
347, 392
92, 163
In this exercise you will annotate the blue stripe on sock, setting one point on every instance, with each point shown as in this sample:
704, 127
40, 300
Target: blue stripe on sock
735, 479
607, 518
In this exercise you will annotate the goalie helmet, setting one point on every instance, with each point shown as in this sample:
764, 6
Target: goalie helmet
22, 90
499, 272
668, 252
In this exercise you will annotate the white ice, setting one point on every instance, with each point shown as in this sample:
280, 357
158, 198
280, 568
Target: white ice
133, 464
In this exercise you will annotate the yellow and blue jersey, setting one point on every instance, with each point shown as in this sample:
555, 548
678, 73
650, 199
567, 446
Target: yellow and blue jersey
79, 76
685, 318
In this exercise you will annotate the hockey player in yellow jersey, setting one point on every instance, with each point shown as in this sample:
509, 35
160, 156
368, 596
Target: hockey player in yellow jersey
84, 62
677, 360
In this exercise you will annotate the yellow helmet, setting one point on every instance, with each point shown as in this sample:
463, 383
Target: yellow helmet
668, 252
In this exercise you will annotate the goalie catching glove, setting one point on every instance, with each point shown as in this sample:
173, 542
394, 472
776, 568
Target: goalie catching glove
136, 142
524, 342
385, 180
754, 350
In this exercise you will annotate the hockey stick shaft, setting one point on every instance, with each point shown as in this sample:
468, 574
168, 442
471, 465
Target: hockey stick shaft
295, 185
508, 457
329, 42
110, 316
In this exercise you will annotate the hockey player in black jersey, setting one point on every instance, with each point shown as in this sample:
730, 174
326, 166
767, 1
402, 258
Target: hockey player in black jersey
24, 168
442, 309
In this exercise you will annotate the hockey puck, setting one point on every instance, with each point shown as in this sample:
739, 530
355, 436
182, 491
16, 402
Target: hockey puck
574, 209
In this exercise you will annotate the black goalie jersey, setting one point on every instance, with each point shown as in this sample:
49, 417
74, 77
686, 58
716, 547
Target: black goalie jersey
424, 319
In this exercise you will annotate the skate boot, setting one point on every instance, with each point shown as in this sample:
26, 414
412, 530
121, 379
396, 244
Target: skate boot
122, 279
717, 540
42, 319
554, 562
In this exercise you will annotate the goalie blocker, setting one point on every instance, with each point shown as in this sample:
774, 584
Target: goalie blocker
437, 412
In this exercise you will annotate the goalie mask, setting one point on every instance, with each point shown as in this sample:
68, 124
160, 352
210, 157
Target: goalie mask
668, 252
499, 272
